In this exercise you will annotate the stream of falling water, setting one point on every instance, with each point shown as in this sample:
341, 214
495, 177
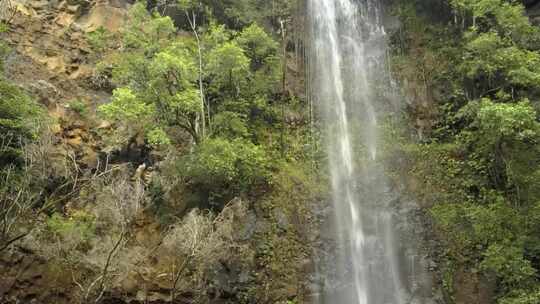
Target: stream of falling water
347, 53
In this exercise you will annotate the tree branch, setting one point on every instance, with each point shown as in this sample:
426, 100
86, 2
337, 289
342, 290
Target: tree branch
13, 240
107, 264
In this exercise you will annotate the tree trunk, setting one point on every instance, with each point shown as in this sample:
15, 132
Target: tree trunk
193, 25
283, 84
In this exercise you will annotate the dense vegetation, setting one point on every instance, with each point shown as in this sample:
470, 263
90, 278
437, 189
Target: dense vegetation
472, 70
208, 166
196, 139
220, 87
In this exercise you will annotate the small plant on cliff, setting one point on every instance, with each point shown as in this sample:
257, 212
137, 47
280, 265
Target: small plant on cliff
79, 107
99, 39
77, 229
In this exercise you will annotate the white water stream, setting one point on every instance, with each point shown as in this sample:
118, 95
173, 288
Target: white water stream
347, 53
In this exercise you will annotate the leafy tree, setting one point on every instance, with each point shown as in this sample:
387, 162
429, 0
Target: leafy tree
160, 75
257, 43
190, 7
230, 125
265, 62
157, 137
187, 80
509, 263
503, 65
130, 112
228, 67
239, 13
216, 35
505, 138
145, 32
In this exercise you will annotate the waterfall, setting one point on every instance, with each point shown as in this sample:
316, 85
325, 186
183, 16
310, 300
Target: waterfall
347, 65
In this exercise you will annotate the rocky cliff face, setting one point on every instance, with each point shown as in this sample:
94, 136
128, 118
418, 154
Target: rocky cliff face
52, 33
51, 59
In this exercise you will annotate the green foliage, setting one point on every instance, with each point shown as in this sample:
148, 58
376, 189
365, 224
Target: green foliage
508, 262
489, 56
126, 107
257, 43
217, 35
244, 63
230, 125
3, 27
19, 122
497, 45
521, 296
470, 225
477, 85
219, 161
238, 13
166, 75
505, 138
507, 18
221, 168
4, 50
99, 39
186, 4
159, 71
265, 62
171, 84
450, 180
229, 67
158, 138
130, 113
214, 163
448, 275
145, 32
507, 122
79, 107
174, 61
80, 224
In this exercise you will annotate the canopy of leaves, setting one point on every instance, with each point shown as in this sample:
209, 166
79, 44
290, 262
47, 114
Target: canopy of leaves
170, 83
229, 66
257, 43
126, 107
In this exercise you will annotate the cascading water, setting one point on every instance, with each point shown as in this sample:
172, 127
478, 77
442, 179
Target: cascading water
346, 59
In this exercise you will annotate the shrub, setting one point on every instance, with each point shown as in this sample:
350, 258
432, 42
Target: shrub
78, 106
19, 117
72, 233
99, 39
223, 168
158, 138
79, 223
